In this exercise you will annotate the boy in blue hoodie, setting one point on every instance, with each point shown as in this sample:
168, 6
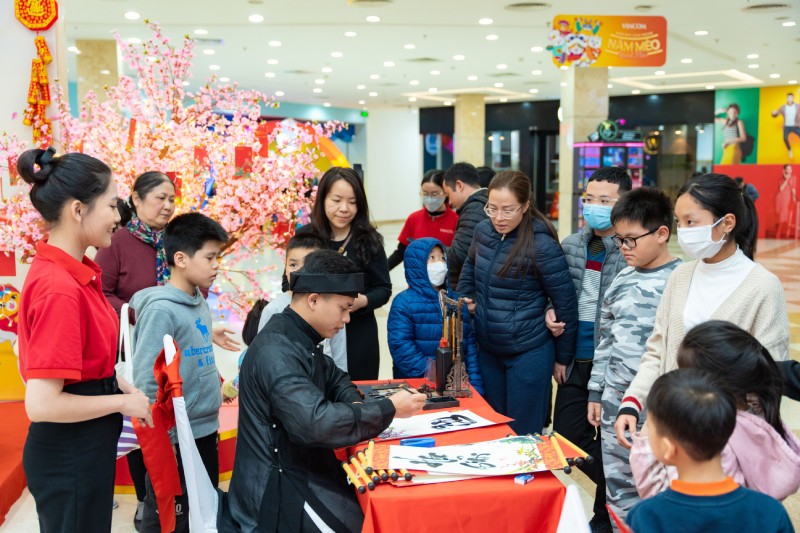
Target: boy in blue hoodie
192, 243
415, 319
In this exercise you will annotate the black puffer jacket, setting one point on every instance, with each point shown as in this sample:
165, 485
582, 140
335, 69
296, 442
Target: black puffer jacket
469, 214
509, 317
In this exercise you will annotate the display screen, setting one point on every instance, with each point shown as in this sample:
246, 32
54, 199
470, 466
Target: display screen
614, 156
590, 157
635, 157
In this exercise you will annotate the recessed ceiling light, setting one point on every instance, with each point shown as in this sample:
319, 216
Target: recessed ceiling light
269, 74
275, 44
200, 31
209, 51
448, 102
73, 49
492, 37
316, 90
412, 99
536, 72
105, 71
350, 34
533, 91
678, 132
336, 54
504, 100
373, 94
433, 90
752, 56
635, 91
362, 102
224, 79
564, 67
660, 73
472, 78
458, 57
563, 84
709, 87
502, 66
319, 81
388, 63
753, 65
686, 60
435, 73
775, 76
213, 67
788, 24
132, 15
272, 61
327, 70
374, 76
373, 18
279, 93
134, 40
327, 104
537, 49
409, 46
700, 33
792, 82
414, 82
361, 87
485, 21
185, 83
610, 86
499, 84
256, 18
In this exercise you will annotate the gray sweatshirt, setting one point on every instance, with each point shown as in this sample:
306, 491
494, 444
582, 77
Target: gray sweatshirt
169, 311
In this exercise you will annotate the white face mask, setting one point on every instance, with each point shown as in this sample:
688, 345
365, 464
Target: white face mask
437, 272
699, 243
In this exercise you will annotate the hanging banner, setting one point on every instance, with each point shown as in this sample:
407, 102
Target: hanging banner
608, 41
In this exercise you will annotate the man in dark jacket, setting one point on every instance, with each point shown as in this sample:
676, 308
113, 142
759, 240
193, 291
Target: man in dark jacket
462, 184
295, 406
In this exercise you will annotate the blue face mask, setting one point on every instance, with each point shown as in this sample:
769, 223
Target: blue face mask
597, 216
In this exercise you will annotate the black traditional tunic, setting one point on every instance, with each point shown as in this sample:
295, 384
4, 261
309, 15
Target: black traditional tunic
295, 406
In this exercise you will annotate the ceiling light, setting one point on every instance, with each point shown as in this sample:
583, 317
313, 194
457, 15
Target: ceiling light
490, 137
700, 33
362, 102
686, 60
272, 61
388, 63
132, 15
336, 54
185, 83
537, 49
435, 73
536, 72
256, 18
105, 72
414, 82
73, 49
448, 102
274, 44
610, 86
458, 57
472, 78
209, 51
499, 84
327, 104
224, 80
319, 81
485, 21
350, 34
504, 100
502, 66
492, 37
374, 76
563, 84
200, 31
279, 93
792, 82
709, 87
373, 18
213, 67
660, 73
361, 87
752, 56
433, 90
752, 65
316, 90
373, 94
409, 46
327, 70
134, 40
787, 24
151, 59
635, 91
533, 91
678, 132
775, 76
412, 99
269, 74
564, 67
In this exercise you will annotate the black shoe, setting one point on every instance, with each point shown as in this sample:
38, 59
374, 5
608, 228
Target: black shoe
600, 524
137, 518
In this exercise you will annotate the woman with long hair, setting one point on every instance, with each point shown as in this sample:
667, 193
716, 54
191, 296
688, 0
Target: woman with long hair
514, 268
733, 135
341, 217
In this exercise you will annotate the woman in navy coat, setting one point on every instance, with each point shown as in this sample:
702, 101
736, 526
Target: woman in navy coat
514, 268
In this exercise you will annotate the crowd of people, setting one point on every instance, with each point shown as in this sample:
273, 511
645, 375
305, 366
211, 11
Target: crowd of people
669, 373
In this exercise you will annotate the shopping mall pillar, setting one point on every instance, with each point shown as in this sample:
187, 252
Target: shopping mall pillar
98, 67
470, 129
584, 104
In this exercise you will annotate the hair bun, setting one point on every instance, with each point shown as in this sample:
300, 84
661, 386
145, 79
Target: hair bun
41, 158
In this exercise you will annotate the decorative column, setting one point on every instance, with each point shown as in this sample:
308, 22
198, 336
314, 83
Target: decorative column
98, 66
470, 129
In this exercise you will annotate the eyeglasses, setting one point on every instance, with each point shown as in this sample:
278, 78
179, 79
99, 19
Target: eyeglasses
432, 194
630, 242
493, 212
603, 200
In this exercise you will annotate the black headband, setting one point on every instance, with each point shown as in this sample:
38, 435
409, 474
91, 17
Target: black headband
344, 284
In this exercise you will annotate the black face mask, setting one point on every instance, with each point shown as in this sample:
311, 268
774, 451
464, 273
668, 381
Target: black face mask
285, 283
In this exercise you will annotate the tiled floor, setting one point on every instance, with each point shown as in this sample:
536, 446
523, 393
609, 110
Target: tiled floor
780, 257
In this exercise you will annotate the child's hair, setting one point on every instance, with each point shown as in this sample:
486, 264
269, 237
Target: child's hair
306, 241
486, 174
61, 179
142, 186
250, 328
434, 176
648, 207
689, 406
740, 363
720, 195
463, 172
326, 262
520, 186
189, 232
368, 242
615, 175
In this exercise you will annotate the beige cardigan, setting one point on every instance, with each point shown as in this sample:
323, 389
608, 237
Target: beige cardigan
757, 305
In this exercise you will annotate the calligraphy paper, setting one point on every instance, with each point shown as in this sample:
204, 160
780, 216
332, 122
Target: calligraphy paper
433, 423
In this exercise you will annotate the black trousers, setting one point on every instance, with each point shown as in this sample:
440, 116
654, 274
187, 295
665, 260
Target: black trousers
570, 420
363, 351
138, 470
70, 467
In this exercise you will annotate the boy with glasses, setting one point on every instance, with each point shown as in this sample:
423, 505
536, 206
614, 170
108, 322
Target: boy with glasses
642, 221
594, 261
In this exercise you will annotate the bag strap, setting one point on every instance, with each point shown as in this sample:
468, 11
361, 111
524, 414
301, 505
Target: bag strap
124, 345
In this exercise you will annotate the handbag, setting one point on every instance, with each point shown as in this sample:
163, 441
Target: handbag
124, 367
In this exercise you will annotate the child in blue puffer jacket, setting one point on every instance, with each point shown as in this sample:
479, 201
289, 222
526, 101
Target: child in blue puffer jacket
415, 319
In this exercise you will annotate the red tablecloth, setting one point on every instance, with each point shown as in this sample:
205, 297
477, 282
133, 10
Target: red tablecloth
494, 504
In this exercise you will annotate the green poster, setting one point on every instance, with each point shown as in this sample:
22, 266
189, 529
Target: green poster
736, 126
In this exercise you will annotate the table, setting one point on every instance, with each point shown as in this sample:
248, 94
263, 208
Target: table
488, 504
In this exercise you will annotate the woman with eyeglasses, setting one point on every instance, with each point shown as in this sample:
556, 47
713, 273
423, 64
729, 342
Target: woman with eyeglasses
435, 219
515, 266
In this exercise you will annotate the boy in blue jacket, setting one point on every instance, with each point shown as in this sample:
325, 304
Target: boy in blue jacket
415, 319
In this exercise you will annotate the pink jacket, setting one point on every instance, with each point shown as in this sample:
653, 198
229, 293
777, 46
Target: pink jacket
755, 456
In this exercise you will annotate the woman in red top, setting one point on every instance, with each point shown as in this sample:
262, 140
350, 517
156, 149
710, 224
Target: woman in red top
68, 337
435, 220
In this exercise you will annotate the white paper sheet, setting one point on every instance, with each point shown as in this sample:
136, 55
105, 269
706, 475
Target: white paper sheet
433, 423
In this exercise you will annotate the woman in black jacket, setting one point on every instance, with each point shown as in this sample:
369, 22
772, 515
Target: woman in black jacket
341, 217
514, 267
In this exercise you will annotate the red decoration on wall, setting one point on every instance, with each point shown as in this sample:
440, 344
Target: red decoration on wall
36, 15
243, 161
